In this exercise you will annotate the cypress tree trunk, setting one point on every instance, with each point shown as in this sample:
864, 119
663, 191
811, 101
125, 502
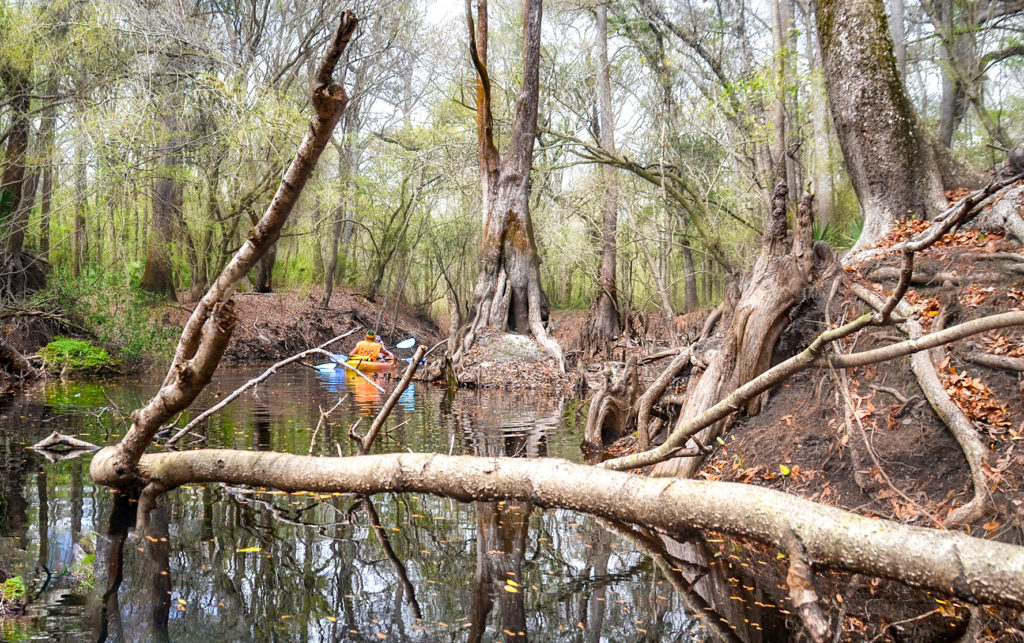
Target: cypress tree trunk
891, 162
605, 324
167, 200
508, 293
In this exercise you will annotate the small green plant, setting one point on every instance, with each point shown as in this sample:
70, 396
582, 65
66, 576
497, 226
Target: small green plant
14, 589
76, 355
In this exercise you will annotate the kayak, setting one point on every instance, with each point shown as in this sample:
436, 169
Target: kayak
364, 364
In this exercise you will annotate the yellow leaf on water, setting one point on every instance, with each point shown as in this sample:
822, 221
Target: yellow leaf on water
248, 550
332, 619
510, 589
784, 469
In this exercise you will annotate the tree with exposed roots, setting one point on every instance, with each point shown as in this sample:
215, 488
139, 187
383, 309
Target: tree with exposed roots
974, 569
508, 293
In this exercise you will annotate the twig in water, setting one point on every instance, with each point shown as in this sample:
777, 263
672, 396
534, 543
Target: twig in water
323, 416
253, 382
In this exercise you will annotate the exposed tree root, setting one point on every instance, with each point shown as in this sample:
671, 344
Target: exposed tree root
654, 393
959, 425
612, 411
15, 362
1002, 362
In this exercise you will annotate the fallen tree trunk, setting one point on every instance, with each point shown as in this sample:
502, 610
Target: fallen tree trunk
951, 563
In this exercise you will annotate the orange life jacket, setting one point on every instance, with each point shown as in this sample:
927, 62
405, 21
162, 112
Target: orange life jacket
367, 350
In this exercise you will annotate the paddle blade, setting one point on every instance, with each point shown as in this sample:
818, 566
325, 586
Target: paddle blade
326, 367
406, 343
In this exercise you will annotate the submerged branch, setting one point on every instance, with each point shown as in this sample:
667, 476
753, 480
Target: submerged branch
251, 383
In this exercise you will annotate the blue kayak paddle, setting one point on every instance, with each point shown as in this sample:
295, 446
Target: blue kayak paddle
338, 358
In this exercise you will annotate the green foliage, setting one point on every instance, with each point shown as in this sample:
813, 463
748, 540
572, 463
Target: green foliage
121, 318
76, 355
14, 589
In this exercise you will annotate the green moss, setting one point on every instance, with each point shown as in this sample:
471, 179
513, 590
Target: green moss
76, 355
13, 589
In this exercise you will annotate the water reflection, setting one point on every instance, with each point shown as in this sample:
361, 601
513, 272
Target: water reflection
240, 564
363, 390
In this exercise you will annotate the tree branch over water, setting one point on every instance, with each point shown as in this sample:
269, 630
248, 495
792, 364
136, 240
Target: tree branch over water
954, 563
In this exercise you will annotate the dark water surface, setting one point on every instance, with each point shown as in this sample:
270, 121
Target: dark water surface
227, 564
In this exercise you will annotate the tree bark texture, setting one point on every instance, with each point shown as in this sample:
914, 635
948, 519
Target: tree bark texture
892, 164
899, 35
12, 183
953, 563
606, 325
341, 214
821, 169
78, 241
168, 195
508, 293
758, 317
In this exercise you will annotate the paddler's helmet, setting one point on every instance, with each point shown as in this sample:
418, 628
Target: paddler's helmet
371, 335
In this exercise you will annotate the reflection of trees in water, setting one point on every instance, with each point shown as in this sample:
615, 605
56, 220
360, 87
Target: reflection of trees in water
502, 527
122, 519
318, 559
260, 427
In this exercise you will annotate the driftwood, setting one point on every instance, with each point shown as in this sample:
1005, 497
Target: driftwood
57, 446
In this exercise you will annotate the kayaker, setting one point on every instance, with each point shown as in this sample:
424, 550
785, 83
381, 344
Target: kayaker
370, 349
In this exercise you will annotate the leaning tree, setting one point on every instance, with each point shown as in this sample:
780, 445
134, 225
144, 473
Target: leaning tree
508, 293
971, 568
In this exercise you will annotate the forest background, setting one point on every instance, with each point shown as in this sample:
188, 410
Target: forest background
142, 141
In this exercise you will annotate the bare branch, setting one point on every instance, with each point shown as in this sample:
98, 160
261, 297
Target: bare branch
253, 382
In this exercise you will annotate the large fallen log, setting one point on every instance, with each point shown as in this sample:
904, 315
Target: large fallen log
951, 563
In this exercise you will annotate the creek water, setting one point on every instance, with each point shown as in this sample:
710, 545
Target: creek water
231, 564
